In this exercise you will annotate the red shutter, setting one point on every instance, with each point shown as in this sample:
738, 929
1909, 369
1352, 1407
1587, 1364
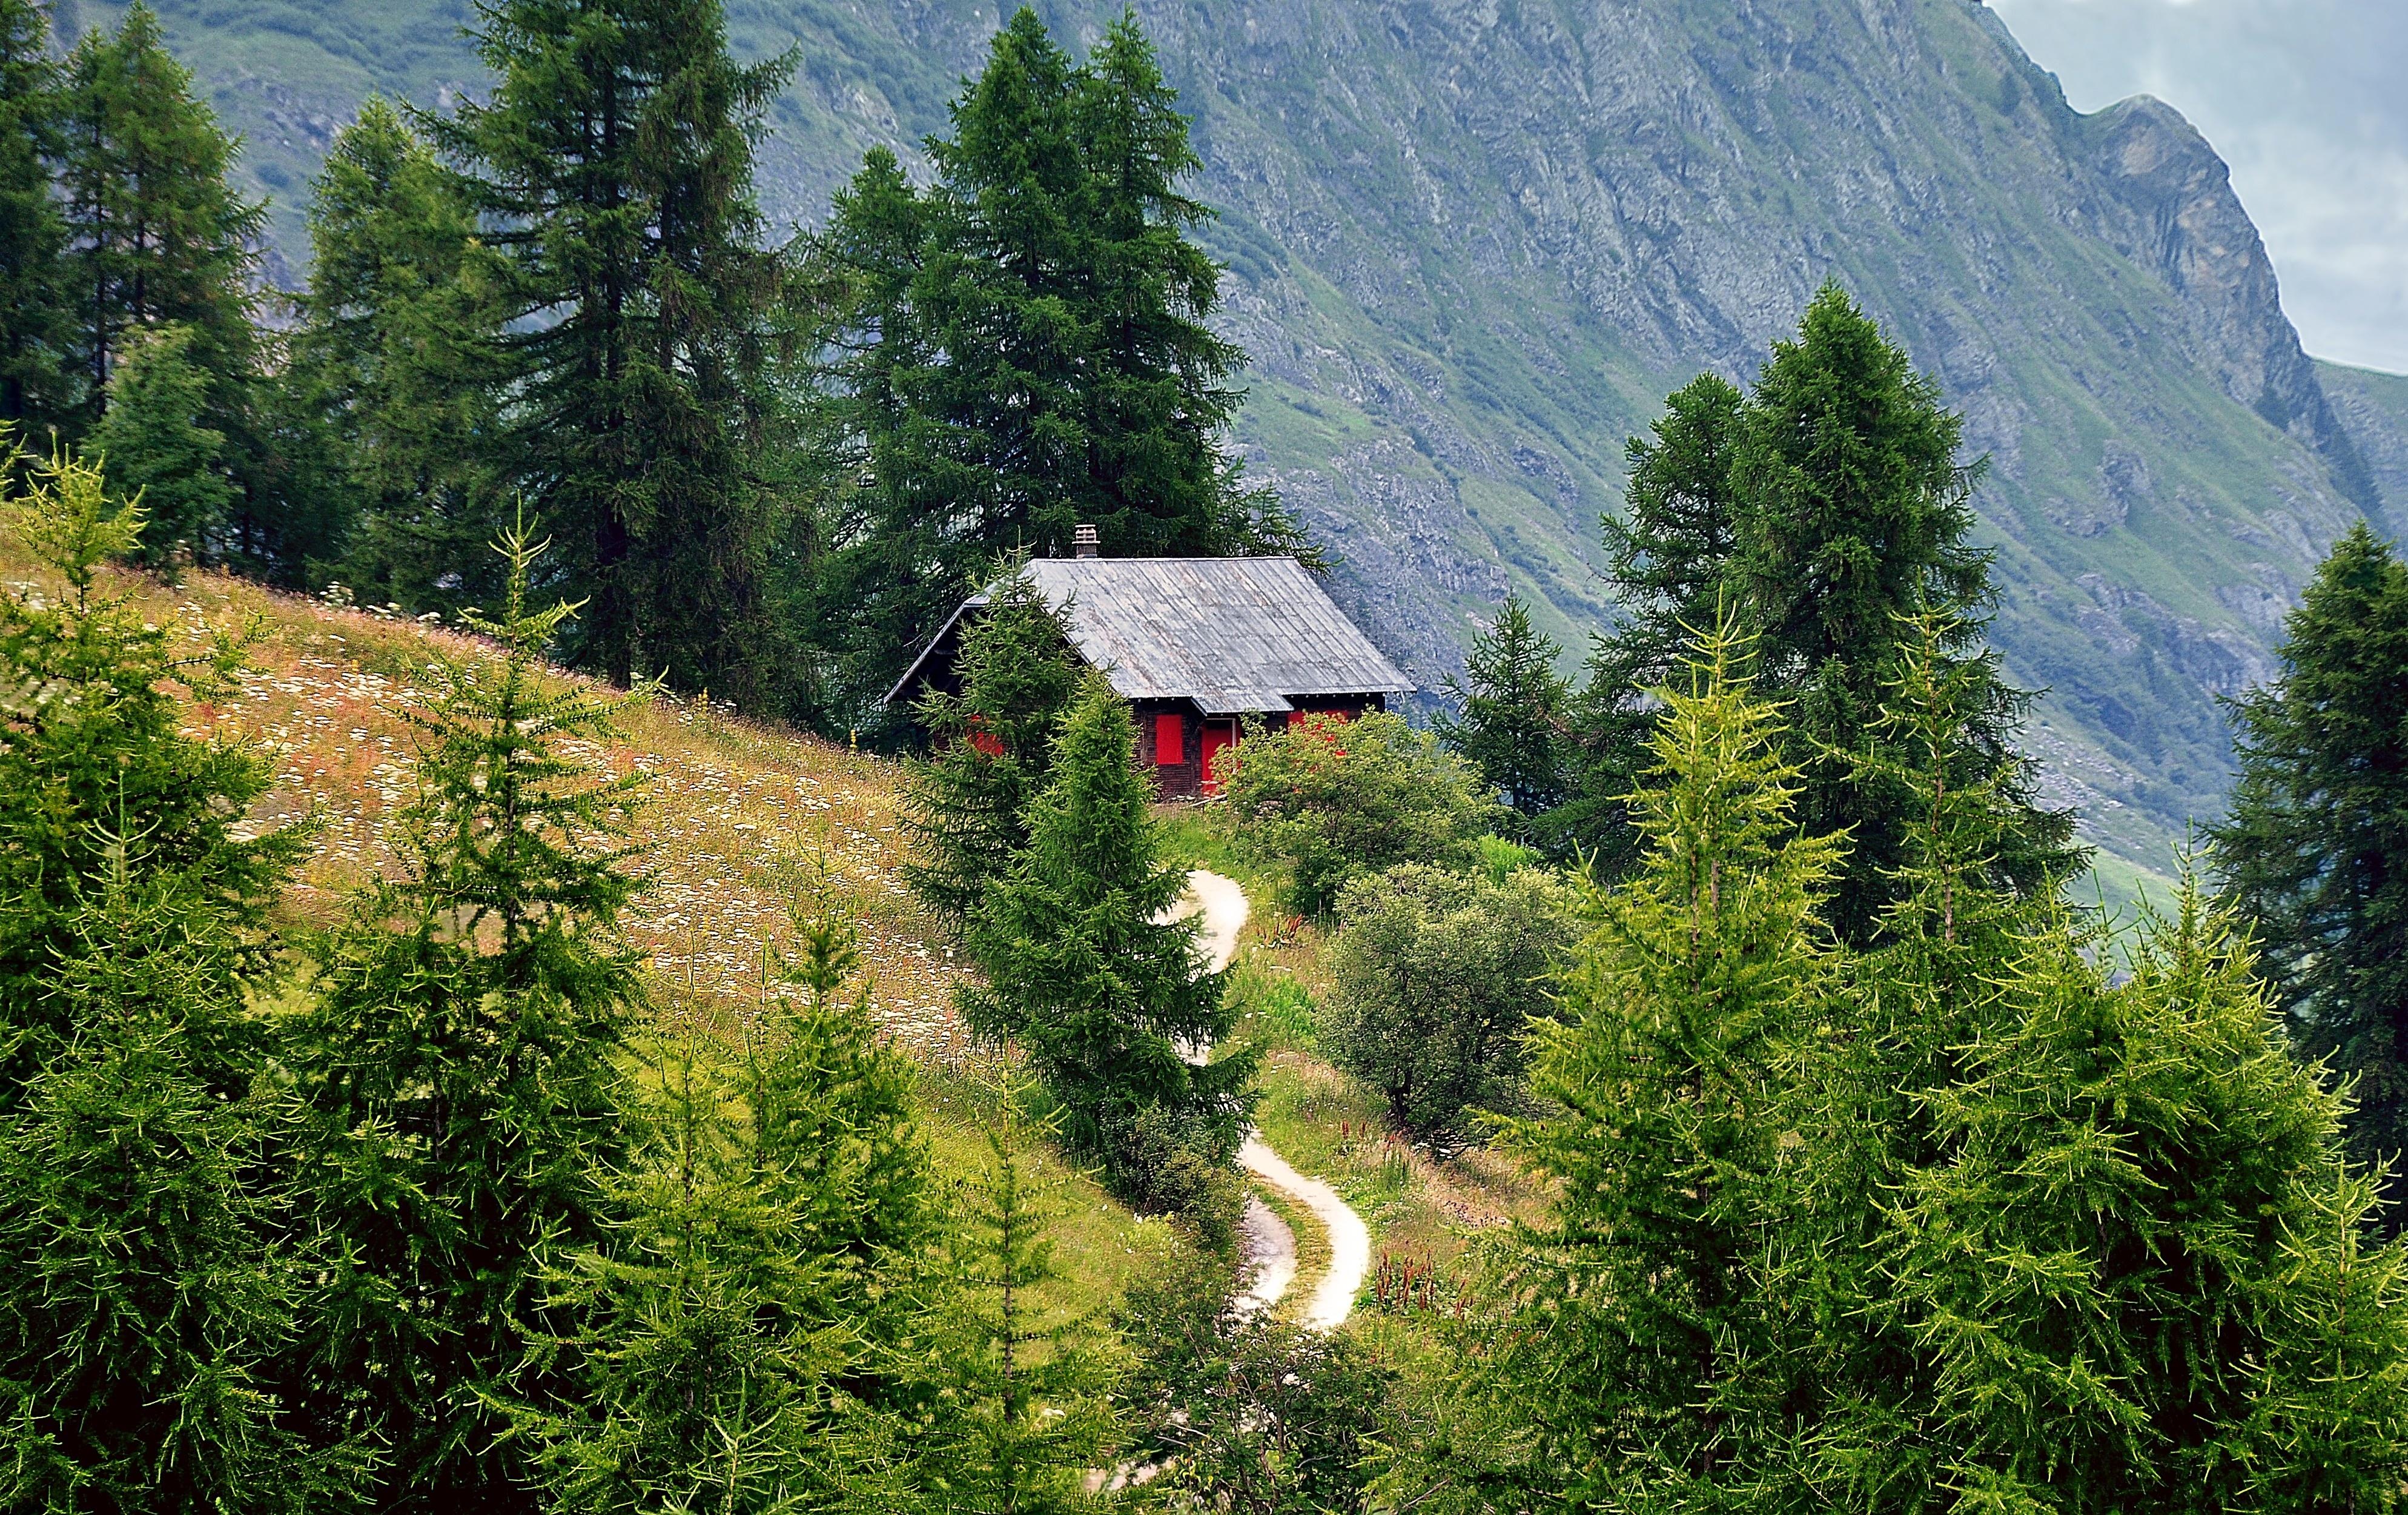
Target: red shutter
1169, 740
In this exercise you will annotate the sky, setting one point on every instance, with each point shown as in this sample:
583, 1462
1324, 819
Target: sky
2307, 100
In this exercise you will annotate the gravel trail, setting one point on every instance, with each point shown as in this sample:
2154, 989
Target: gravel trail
1270, 1246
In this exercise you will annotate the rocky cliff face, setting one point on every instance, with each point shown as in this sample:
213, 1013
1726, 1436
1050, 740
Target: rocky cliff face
1473, 242
2193, 232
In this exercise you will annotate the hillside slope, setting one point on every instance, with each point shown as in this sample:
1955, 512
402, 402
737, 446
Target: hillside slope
1474, 241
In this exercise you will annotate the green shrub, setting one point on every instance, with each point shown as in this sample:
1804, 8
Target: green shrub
1337, 799
1437, 972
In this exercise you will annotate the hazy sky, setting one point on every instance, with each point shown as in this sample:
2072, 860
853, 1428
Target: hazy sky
2307, 100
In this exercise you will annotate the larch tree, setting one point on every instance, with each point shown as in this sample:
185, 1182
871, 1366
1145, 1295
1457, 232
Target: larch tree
1025, 346
2314, 851
1021, 1410
743, 1339
154, 232
1627, 1357
157, 444
1852, 519
613, 161
145, 1303
458, 1064
37, 383
399, 355
91, 742
1665, 558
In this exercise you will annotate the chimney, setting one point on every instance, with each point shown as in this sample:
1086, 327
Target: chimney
1083, 542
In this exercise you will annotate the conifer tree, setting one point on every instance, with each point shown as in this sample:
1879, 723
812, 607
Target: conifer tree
36, 383
2315, 850
701, 1381
1513, 700
146, 1301
89, 737
1634, 1340
1021, 1411
1025, 346
967, 803
155, 234
2135, 1275
459, 1068
400, 355
743, 1338
1665, 558
615, 153
156, 445
1852, 519
1084, 969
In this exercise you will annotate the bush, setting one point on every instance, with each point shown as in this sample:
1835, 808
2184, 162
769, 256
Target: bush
1436, 974
1247, 1412
1337, 799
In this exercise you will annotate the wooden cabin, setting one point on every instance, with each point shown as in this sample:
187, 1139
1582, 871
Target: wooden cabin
1195, 645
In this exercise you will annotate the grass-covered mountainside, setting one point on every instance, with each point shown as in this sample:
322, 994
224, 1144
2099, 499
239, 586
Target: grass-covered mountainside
1472, 245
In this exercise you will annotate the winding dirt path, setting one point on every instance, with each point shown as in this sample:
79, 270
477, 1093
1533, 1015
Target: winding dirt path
1270, 1246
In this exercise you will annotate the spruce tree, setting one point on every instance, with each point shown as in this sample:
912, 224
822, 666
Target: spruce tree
459, 1066
36, 380
966, 807
1665, 558
1514, 702
399, 355
1083, 968
1021, 1410
90, 740
156, 445
2315, 850
155, 234
1025, 346
614, 156
1853, 518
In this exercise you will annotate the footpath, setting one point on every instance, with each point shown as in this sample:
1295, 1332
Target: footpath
1269, 1244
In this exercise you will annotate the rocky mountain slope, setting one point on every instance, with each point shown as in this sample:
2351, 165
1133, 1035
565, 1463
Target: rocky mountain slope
1473, 242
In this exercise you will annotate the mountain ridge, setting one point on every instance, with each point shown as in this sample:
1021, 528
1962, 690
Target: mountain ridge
1473, 242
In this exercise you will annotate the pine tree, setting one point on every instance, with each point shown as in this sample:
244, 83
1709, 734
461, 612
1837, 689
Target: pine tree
2314, 851
1025, 346
615, 155
36, 384
1852, 519
1630, 1353
1514, 702
155, 235
90, 736
966, 807
1083, 969
156, 447
1021, 1410
459, 1067
400, 355
1666, 558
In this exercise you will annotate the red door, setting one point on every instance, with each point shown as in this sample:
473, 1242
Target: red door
1217, 735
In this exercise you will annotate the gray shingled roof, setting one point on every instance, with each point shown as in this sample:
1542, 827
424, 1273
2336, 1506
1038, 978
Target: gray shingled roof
1233, 634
